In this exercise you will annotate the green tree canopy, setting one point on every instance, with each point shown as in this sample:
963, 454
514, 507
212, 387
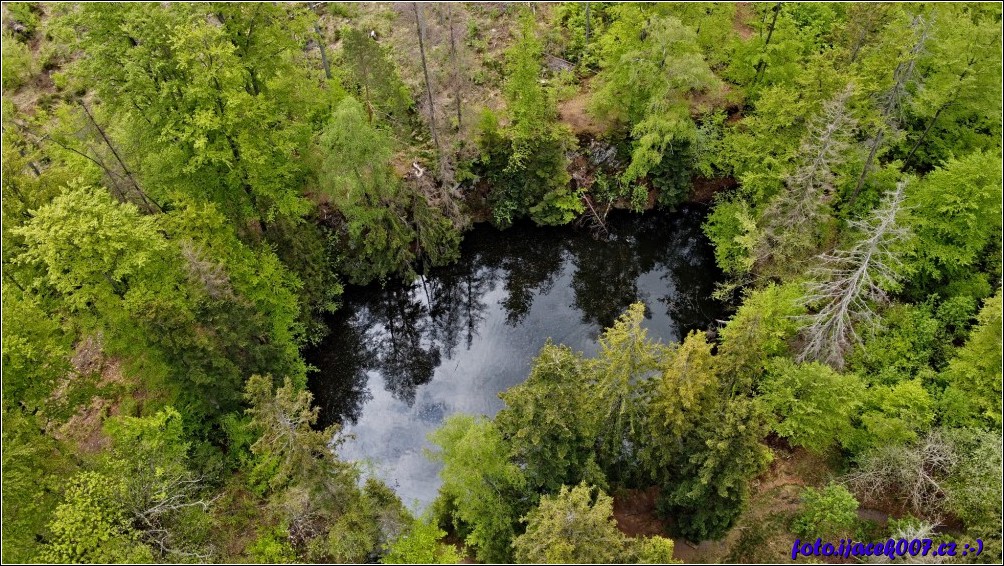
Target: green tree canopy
812, 402
547, 424
576, 526
357, 175
486, 490
973, 376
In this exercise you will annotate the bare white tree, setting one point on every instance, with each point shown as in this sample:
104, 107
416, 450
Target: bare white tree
154, 510
892, 100
848, 283
792, 214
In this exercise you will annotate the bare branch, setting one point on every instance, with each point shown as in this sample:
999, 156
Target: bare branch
849, 282
791, 216
892, 100
915, 473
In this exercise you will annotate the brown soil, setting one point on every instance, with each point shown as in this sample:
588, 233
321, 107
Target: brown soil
574, 113
704, 189
634, 511
452, 539
744, 13
697, 553
708, 100
234, 505
402, 165
84, 429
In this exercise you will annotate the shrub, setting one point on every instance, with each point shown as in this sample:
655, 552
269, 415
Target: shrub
828, 512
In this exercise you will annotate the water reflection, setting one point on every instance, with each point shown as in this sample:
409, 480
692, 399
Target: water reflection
339, 382
402, 357
399, 338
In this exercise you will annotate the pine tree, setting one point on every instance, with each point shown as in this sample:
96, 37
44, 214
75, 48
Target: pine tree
357, 175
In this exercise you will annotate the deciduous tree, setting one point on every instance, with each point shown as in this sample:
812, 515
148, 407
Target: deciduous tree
813, 403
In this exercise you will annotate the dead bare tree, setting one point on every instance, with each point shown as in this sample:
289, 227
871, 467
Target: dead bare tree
849, 282
322, 42
892, 100
916, 473
420, 24
791, 216
456, 68
597, 216
154, 505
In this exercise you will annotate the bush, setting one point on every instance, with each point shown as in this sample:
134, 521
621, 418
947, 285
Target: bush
272, 547
828, 513
813, 403
420, 545
17, 63
914, 473
22, 18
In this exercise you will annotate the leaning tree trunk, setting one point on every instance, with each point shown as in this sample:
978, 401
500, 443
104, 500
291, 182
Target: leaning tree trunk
456, 68
770, 32
150, 204
420, 23
902, 76
324, 51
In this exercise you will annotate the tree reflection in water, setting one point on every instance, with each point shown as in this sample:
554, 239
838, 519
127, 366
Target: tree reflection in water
406, 332
340, 361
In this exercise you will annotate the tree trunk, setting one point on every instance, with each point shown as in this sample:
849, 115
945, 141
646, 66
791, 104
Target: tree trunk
876, 142
927, 130
420, 23
770, 32
901, 78
948, 103
585, 48
148, 203
324, 51
456, 68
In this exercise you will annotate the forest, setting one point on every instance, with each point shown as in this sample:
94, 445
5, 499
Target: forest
191, 191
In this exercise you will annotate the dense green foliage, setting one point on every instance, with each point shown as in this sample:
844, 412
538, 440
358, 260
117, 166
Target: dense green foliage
813, 403
577, 527
861, 261
420, 545
641, 411
525, 161
829, 512
651, 62
551, 450
187, 186
483, 489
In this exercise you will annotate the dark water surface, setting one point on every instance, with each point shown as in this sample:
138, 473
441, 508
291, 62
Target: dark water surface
402, 357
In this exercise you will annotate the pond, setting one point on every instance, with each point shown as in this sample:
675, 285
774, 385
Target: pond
402, 357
